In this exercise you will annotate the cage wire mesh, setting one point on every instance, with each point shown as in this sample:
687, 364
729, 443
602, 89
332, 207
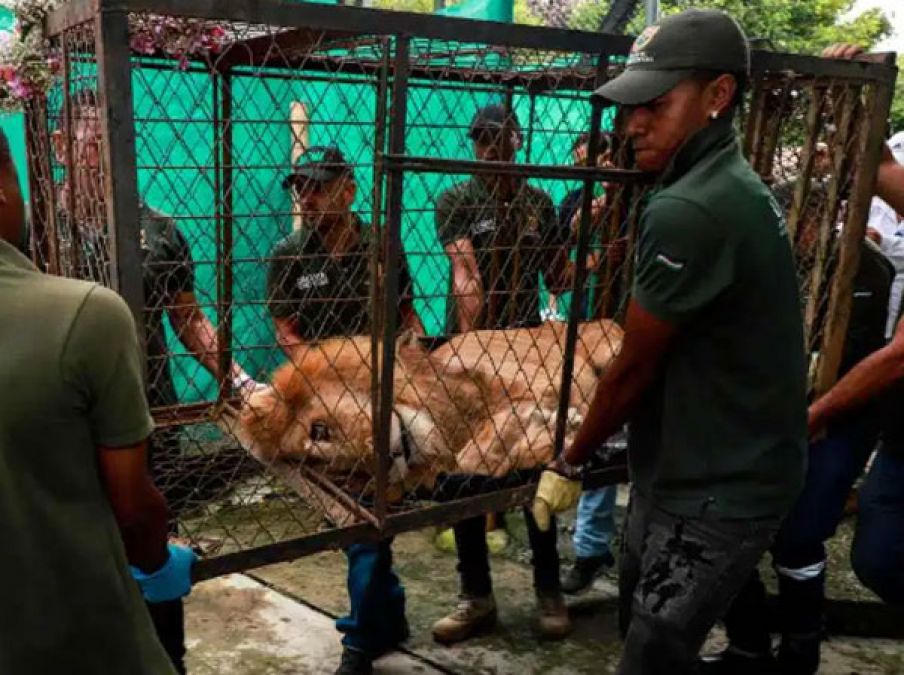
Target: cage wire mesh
421, 244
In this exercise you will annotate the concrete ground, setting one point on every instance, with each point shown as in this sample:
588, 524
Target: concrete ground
278, 620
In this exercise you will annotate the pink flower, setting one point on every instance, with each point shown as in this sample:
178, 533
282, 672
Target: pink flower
19, 88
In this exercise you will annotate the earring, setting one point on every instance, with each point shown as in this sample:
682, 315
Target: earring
714, 114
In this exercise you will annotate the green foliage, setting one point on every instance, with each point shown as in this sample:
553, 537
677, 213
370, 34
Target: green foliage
805, 27
405, 5
897, 106
523, 14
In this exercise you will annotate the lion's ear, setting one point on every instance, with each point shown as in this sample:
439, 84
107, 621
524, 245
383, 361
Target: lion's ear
292, 382
408, 348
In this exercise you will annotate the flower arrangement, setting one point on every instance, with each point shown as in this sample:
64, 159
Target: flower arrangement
177, 38
29, 67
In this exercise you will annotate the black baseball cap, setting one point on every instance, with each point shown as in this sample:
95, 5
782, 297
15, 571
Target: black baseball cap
492, 119
318, 165
674, 49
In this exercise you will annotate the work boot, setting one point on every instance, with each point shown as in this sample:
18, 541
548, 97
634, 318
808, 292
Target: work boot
552, 615
355, 662
799, 656
584, 572
734, 661
473, 615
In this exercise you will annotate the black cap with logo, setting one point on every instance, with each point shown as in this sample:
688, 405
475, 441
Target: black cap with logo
674, 49
318, 165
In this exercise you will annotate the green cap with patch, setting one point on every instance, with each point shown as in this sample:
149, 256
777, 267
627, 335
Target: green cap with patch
674, 49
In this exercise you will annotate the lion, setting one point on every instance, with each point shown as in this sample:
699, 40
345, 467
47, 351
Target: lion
483, 403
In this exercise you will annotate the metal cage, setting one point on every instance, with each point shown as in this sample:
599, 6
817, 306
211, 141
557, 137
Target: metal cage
205, 135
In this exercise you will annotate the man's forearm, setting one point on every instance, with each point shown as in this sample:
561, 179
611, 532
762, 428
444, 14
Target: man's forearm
145, 533
468, 304
867, 379
890, 185
199, 336
617, 395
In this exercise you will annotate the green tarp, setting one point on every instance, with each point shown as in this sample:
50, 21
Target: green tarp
175, 153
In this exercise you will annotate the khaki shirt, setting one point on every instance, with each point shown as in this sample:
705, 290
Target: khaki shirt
71, 382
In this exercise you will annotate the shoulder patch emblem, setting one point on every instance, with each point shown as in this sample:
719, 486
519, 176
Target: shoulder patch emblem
671, 263
316, 280
484, 225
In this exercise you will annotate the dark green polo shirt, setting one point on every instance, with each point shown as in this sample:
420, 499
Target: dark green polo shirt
723, 429
71, 382
515, 241
167, 271
324, 295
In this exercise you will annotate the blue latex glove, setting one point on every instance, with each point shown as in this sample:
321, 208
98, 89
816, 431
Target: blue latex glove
170, 582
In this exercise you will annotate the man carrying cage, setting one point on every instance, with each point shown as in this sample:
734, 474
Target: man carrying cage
500, 234
711, 374
318, 287
168, 277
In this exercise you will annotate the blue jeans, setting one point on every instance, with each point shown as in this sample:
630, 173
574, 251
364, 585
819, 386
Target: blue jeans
595, 524
376, 622
878, 551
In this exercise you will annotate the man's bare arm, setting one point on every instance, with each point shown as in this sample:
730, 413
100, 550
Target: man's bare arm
467, 286
197, 333
890, 183
867, 379
138, 506
890, 180
646, 341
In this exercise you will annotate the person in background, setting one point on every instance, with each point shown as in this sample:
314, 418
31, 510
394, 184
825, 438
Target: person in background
835, 462
319, 286
877, 555
594, 527
500, 235
77, 504
886, 228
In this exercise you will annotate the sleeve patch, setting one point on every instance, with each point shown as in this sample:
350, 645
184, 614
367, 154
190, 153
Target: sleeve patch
672, 263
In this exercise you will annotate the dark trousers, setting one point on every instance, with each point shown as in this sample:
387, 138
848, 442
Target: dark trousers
677, 577
168, 617
474, 556
376, 620
799, 555
878, 551
169, 622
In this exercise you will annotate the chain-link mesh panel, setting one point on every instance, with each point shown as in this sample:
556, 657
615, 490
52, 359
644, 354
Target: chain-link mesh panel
805, 135
384, 270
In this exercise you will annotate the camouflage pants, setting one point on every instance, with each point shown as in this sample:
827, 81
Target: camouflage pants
677, 577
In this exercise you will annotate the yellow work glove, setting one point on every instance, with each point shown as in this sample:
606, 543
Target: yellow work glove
555, 493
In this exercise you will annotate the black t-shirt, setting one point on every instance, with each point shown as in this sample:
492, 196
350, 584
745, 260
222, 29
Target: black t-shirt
167, 271
325, 295
515, 240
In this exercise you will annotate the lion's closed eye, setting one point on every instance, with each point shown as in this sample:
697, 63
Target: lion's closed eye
320, 431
